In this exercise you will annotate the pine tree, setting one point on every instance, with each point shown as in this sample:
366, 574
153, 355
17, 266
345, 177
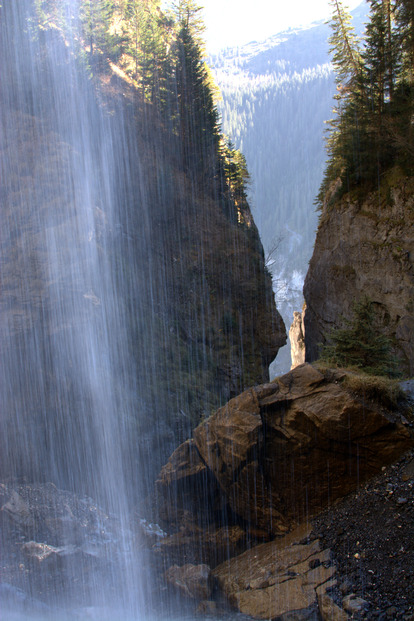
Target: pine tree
344, 137
379, 56
197, 115
402, 129
95, 15
146, 45
404, 16
373, 128
361, 344
345, 50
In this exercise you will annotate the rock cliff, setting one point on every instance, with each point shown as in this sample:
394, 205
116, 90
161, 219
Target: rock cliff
365, 248
107, 239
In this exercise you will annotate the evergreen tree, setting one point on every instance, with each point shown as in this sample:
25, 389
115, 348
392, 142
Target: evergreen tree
237, 179
404, 16
402, 130
345, 49
360, 344
373, 129
344, 140
197, 115
146, 45
96, 17
379, 57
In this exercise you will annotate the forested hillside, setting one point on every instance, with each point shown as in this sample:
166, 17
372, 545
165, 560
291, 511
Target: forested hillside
277, 96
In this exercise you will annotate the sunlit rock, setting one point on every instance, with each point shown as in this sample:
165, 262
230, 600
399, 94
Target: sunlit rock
297, 339
276, 578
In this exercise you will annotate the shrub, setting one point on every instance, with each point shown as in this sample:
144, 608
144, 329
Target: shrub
361, 344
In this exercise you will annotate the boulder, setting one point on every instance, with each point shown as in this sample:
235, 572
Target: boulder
195, 544
280, 452
192, 581
231, 443
321, 440
57, 545
330, 611
184, 477
42, 512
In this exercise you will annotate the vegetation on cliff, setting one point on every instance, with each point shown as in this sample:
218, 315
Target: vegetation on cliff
372, 130
361, 344
364, 243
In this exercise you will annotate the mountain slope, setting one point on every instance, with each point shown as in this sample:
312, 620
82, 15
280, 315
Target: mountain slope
277, 95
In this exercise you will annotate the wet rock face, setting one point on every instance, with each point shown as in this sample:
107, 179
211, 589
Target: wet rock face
280, 452
364, 249
192, 581
118, 248
56, 545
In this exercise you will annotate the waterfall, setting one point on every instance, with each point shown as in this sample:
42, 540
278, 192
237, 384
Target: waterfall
67, 380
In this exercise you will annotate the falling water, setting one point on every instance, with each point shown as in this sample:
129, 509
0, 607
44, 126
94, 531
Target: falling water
66, 388
120, 325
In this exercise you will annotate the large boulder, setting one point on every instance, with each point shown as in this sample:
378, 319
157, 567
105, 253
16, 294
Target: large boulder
281, 452
321, 440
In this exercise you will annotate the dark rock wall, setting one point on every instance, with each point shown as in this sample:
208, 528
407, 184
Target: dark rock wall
186, 279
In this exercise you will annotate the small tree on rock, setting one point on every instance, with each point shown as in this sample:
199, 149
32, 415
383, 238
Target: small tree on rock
361, 344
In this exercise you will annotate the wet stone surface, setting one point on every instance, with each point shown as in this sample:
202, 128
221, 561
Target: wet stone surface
371, 536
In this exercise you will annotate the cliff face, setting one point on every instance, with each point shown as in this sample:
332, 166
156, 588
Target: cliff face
118, 264
365, 248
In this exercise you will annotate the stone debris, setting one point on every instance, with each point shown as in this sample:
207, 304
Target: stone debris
373, 522
354, 604
330, 611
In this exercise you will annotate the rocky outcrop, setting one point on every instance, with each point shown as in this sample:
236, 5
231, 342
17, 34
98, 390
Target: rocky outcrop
297, 339
276, 454
365, 249
192, 581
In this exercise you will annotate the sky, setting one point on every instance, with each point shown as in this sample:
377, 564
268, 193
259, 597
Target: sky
235, 22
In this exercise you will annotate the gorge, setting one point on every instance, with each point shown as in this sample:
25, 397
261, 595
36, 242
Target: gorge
148, 465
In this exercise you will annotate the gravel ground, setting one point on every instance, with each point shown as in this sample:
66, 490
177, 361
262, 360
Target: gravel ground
371, 535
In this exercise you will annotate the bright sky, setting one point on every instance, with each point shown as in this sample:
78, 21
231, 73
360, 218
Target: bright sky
235, 22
